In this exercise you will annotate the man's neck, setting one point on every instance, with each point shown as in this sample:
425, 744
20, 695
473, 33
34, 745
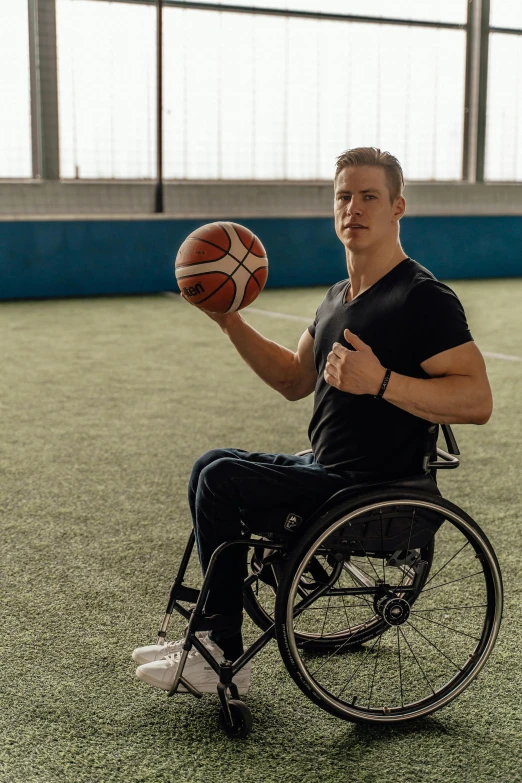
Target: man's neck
366, 269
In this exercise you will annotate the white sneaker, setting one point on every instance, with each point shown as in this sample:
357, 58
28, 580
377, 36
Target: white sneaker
155, 652
197, 671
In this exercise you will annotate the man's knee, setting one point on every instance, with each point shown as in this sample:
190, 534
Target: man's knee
217, 472
204, 461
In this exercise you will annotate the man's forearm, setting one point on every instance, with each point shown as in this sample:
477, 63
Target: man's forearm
448, 400
272, 362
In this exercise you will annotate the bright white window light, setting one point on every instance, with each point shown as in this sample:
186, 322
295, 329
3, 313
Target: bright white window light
107, 89
504, 109
15, 117
506, 13
266, 97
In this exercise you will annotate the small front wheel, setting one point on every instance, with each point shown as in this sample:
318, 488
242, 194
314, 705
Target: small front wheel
241, 720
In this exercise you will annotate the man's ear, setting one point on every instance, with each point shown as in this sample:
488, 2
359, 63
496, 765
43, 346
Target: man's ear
399, 207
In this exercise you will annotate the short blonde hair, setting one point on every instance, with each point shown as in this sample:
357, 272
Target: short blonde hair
373, 156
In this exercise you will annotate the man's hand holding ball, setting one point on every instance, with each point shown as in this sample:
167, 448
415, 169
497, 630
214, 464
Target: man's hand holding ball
358, 371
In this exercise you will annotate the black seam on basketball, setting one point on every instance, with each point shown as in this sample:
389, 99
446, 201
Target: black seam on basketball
252, 245
256, 282
213, 244
229, 277
226, 253
201, 274
255, 278
242, 262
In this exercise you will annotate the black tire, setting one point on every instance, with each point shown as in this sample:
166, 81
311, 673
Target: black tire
241, 717
471, 579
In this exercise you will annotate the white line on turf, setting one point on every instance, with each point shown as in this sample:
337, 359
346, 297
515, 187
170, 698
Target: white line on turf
288, 317
301, 318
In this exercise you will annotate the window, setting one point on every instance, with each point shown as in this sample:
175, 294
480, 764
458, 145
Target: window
15, 96
106, 89
268, 97
504, 108
506, 13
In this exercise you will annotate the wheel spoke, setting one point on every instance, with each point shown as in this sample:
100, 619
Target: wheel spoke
347, 618
374, 671
416, 660
358, 667
450, 608
455, 630
447, 563
400, 665
460, 579
325, 616
434, 645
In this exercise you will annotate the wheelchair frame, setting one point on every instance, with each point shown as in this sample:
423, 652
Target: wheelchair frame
235, 716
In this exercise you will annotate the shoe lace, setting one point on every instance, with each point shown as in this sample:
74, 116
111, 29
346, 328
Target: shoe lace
174, 657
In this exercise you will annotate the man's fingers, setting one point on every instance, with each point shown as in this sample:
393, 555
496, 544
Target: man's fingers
339, 350
329, 378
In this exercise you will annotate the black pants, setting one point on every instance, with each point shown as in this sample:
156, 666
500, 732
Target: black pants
228, 486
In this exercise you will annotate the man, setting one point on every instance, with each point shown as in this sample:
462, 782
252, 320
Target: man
388, 354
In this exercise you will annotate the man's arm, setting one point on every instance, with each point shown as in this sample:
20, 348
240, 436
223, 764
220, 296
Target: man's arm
458, 391
291, 374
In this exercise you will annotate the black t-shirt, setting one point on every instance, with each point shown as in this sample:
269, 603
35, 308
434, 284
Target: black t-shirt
405, 317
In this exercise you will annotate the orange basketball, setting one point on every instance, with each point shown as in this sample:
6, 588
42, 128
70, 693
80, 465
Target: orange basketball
221, 267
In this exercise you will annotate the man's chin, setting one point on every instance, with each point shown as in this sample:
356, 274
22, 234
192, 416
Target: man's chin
357, 243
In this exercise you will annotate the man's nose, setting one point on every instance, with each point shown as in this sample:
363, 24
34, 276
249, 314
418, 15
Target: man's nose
354, 208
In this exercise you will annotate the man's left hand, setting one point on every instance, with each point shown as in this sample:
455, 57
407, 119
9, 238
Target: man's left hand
358, 371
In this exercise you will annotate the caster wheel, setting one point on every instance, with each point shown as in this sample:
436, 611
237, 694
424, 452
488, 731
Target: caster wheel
242, 720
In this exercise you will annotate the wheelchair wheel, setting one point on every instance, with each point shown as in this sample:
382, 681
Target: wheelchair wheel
261, 587
431, 633
241, 720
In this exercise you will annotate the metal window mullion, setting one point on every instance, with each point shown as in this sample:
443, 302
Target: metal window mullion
44, 89
34, 75
477, 49
483, 89
317, 15
159, 194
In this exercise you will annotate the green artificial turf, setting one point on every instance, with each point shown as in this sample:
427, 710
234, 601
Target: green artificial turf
105, 405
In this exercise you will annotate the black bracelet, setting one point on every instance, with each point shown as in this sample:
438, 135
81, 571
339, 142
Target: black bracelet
384, 385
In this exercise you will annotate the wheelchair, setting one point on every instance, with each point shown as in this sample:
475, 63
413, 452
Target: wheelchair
385, 604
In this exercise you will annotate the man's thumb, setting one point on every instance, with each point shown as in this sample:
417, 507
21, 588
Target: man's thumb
354, 340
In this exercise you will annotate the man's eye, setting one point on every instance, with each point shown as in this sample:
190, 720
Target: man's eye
370, 196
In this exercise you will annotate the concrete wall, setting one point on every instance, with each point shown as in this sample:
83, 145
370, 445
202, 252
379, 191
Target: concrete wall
19, 200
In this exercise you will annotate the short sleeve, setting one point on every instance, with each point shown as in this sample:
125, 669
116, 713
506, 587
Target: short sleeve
436, 320
313, 326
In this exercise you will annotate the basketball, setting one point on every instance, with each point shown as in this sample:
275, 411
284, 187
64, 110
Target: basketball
221, 267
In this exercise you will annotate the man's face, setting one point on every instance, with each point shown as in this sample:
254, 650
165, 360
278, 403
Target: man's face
364, 216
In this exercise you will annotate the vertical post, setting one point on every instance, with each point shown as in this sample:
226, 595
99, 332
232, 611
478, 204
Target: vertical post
158, 201
483, 89
34, 75
44, 89
477, 51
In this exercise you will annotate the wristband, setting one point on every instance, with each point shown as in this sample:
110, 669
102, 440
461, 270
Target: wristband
384, 385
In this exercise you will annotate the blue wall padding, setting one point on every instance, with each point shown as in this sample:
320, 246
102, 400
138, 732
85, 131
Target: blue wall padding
47, 258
